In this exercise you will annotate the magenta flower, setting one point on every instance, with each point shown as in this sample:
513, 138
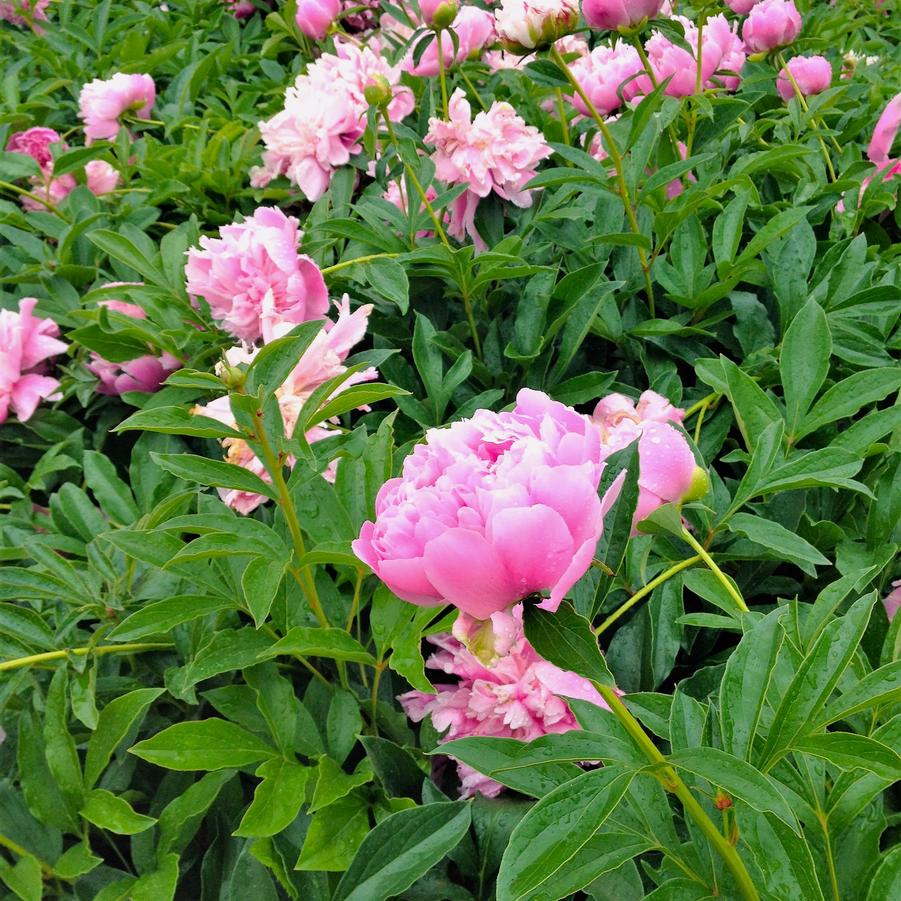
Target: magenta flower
241, 9
315, 17
885, 132
26, 342
524, 25
490, 510
496, 151
608, 75
35, 142
253, 277
102, 103
514, 693
615, 14
892, 601
812, 74
771, 24
474, 29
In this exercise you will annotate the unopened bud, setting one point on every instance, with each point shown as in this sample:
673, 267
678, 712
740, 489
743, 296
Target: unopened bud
232, 376
700, 485
722, 801
439, 14
378, 91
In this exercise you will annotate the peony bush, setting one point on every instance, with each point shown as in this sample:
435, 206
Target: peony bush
450, 450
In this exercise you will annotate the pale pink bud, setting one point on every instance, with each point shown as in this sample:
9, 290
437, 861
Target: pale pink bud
438, 13
812, 74
771, 24
101, 177
315, 17
615, 14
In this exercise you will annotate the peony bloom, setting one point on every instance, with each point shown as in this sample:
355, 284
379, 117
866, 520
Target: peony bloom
742, 7
812, 74
666, 463
524, 25
101, 177
615, 14
721, 37
474, 29
102, 102
892, 601
315, 17
515, 694
496, 151
490, 510
26, 342
24, 12
324, 118
771, 24
608, 75
885, 132
145, 373
35, 142
253, 277
322, 360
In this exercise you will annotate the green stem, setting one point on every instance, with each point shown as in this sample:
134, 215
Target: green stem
18, 850
671, 780
46, 656
644, 592
564, 122
37, 199
442, 78
337, 267
472, 89
721, 576
642, 55
830, 859
617, 160
374, 697
473, 330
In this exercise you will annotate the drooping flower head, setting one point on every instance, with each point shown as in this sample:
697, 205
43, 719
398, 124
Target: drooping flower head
315, 17
514, 693
26, 342
524, 25
322, 360
495, 151
253, 277
491, 509
812, 75
771, 24
103, 101
615, 14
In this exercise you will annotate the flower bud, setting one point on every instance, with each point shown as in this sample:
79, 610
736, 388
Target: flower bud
527, 25
699, 486
619, 14
233, 377
438, 14
377, 91
315, 17
771, 24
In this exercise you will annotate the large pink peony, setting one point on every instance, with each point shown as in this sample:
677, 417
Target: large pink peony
491, 509
666, 463
514, 694
524, 25
474, 29
608, 76
102, 102
496, 151
812, 74
253, 277
322, 360
614, 14
26, 342
771, 24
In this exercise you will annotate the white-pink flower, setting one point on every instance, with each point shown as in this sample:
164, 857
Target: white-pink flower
103, 101
524, 25
496, 151
253, 277
26, 343
505, 690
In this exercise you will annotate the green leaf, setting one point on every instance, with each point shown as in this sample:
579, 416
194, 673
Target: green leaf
882, 686
230, 649
161, 617
845, 398
332, 783
119, 247
181, 817
804, 361
113, 495
389, 280
159, 885
217, 473
273, 362
556, 829
260, 583
24, 878
112, 812
887, 877
784, 544
277, 798
849, 751
401, 848
754, 410
334, 836
335, 644
394, 767
176, 421
566, 639
77, 861
211, 744
59, 746
779, 225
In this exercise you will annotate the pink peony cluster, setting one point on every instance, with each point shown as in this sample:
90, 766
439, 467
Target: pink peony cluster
490, 510
315, 17
771, 24
103, 101
145, 373
24, 12
26, 343
474, 30
666, 463
253, 277
525, 25
322, 360
812, 75
324, 118
496, 151
514, 694
608, 76
614, 14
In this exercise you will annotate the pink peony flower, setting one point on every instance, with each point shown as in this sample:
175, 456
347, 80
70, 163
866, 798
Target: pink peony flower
474, 29
812, 74
742, 7
102, 102
892, 600
615, 14
26, 342
514, 693
322, 360
253, 277
24, 12
608, 77
35, 142
491, 509
241, 9
496, 151
885, 132
325, 117
721, 37
666, 463
101, 177
315, 17
524, 25
771, 24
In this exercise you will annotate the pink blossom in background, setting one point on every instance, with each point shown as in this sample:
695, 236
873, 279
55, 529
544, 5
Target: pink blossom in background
396, 194
17, 12
771, 24
491, 509
241, 9
26, 343
103, 101
324, 118
724, 37
315, 17
253, 277
742, 7
321, 361
812, 74
360, 15
608, 77
528, 24
445, 10
35, 142
495, 151
569, 44
474, 29
892, 601
885, 132
666, 463
101, 177
614, 14
514, 693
